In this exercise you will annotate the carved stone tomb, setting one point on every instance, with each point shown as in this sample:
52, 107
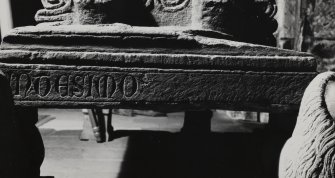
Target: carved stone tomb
182, 55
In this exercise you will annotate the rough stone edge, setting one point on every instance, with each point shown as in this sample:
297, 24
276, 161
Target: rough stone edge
174, 61
212, 104
194, 39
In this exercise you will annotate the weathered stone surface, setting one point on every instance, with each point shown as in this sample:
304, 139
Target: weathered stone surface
144, 13
152, 47
178, 61
310, 150
123, 66
239, 18
71, 86
194, 67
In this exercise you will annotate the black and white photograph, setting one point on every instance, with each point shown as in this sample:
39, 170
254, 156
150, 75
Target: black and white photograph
167, 89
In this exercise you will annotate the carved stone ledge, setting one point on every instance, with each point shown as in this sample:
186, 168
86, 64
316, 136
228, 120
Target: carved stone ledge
128, 87
149, 67
84, 61
310, 152
163, 47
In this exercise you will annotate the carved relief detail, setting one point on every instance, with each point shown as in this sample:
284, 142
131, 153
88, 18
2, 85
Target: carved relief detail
310, 152
172, 5
267, 8
66, 12
79, 85
63, 12
56, 11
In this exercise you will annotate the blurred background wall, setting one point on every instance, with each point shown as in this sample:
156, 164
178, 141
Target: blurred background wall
308, 25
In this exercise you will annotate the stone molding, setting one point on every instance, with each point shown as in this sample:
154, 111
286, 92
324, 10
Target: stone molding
70, 86
153, 47
150, 67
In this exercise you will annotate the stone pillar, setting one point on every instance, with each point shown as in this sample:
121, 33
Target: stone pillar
291, 20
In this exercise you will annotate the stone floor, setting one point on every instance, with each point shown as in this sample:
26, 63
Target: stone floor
151, 147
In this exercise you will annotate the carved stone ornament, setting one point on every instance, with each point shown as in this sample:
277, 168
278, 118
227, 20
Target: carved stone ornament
168, 5
242, 19
310, 152
165, 55
60, 12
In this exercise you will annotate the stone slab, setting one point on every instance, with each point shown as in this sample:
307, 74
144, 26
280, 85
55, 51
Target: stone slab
121, 66
74, 86
151, 47
166, 61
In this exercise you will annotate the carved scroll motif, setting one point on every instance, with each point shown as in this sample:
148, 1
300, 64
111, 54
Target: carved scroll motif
173, 5
66, 12
57, 12
168, 5
267, 7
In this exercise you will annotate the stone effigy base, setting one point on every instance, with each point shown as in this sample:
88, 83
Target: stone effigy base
160, 68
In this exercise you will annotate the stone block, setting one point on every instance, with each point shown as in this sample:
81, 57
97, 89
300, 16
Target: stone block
149, 68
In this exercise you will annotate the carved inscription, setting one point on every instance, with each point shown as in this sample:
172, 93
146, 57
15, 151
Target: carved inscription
84, 86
